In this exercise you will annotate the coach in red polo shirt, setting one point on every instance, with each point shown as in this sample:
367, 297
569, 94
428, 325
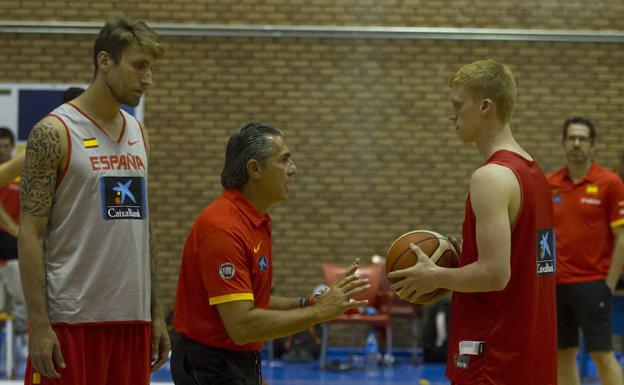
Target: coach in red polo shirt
589, 221
224, 308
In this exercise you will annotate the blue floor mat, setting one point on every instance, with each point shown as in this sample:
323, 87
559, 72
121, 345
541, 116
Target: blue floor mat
279, 372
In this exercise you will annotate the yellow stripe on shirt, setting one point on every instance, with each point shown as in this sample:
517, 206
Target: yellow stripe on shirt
617, 223
231, 298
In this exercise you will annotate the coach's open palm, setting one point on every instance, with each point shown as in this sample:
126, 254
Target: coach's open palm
339, 297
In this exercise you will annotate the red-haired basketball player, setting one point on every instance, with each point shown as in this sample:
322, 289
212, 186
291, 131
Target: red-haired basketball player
503, 315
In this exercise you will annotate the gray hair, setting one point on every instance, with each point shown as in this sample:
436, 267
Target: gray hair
246, 143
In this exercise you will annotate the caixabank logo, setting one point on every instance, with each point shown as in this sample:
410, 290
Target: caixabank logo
123, 197
546, 253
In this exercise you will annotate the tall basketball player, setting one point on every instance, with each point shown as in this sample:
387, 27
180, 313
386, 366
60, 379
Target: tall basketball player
86, 257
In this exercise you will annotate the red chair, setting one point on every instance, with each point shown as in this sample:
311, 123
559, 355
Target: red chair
374, 295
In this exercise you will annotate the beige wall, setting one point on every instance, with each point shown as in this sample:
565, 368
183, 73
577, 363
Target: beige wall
366, 119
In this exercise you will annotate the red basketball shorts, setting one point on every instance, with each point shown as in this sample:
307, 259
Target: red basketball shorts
100, 354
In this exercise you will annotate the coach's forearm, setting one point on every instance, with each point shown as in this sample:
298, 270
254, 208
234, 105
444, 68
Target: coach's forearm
265, 324
284, 303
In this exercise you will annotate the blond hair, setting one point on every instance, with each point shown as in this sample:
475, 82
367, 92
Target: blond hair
120, 32
489, 79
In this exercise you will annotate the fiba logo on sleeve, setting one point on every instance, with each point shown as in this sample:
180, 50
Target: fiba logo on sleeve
123, 197
227, 270
546, 252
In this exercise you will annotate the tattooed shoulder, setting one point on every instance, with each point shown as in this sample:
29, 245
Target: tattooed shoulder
44, 145
44, 152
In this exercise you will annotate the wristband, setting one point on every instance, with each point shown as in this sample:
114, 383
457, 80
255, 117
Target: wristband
307, 301
311, 299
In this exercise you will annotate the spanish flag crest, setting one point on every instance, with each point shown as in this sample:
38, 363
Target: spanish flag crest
591, 189
90, 142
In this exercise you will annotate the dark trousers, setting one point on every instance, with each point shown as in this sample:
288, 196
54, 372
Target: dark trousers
8, 246
193, 363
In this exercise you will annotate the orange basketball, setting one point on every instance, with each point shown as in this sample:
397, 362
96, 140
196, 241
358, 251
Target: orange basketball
436, 246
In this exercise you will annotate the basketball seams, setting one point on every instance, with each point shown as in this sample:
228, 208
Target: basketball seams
440, 238
452, 256
408, 249
441, 252
435, 235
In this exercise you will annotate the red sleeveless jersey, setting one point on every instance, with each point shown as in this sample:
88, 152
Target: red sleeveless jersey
518, 324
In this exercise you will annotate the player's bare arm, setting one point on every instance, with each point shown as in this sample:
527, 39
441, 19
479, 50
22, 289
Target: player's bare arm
161, 344
245, 323
45, 153
495, 199
617, 258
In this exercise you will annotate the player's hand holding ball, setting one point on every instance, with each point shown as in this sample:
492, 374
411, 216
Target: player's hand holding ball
412, 261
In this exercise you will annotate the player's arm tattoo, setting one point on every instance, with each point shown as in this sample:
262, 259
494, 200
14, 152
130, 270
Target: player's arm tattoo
43, 154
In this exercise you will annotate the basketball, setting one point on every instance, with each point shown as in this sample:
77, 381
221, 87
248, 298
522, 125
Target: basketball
437, 247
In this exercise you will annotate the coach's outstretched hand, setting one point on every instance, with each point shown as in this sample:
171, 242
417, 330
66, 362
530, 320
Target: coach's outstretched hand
339, 297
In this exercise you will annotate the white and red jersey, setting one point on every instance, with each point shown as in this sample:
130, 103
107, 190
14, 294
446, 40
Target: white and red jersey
96, 248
